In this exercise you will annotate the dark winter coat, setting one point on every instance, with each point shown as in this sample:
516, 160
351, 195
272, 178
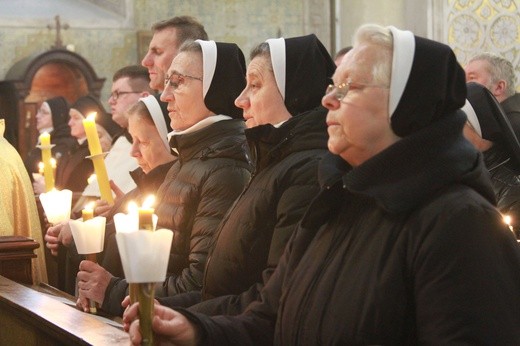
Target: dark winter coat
74, 169
212, 169
265, 215
506, 183
406, 248
511, 107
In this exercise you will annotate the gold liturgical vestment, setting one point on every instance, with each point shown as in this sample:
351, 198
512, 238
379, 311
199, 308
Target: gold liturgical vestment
18, 213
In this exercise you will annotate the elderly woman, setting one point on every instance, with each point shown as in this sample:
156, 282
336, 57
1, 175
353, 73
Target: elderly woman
52, 117
286, 130
211, 170
148, 126
489, 130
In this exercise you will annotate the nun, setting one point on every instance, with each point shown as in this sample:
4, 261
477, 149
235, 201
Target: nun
211, 167
489, 130
52, 117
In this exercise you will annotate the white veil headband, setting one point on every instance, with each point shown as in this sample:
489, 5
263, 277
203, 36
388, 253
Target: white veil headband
157, 116
472, 117
209, 63
402, 60
277, 48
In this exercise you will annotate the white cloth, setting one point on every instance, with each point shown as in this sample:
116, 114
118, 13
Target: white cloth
119, 163
209, 58
402, 60
200, 125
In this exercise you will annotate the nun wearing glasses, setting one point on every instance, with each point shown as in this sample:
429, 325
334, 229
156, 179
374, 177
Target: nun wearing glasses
212, 164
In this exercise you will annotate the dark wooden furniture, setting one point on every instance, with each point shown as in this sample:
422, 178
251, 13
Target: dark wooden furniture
35, 78
30, 317
16, 254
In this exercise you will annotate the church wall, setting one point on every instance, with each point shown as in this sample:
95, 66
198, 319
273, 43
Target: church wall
353, 13
467, 26
107, 49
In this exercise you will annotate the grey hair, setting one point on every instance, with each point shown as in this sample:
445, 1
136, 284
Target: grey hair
262, 50
380, 36
190, 46
499, 69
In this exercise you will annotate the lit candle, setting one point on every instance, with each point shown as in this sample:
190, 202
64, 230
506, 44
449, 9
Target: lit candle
146, 214
94, 146
507, 220
87, 213
56, 205
45, 146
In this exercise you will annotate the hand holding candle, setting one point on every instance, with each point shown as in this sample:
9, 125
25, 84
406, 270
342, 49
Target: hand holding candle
98, 160
89, 235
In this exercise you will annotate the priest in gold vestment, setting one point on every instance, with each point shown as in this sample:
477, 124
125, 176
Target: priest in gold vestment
18, 213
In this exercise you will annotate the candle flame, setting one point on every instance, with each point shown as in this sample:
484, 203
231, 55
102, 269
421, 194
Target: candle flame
90, 205
149, 201
41, 167
507, 219
92, 116
91, 178
53, 162
132, 207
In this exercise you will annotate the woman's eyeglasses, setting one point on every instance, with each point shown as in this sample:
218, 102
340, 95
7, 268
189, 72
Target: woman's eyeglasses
176, 79
341, 90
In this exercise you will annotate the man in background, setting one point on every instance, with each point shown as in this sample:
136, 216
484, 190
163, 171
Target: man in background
168, 35
498, 76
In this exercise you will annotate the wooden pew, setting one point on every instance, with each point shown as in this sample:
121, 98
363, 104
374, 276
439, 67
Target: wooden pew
30, 317
16, 253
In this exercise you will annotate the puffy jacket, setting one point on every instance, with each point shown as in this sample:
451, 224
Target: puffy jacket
212, 169
506, 184
511, 107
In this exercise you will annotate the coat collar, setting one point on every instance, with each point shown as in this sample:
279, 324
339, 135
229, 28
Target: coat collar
220, 139
303, 132
400, 177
